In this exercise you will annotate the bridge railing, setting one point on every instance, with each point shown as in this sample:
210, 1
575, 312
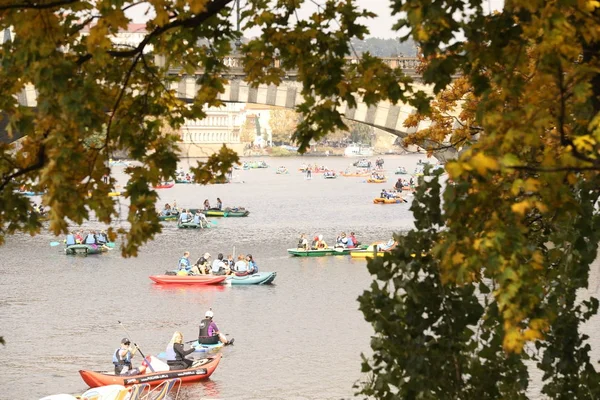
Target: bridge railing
235, 64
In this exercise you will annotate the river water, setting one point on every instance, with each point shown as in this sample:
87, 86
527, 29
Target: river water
300, 338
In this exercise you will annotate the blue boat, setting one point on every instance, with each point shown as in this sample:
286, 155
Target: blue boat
259, 278
199, 348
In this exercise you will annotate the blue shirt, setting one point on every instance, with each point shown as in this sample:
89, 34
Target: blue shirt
184, 263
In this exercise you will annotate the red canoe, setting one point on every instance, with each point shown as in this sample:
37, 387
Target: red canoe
165, 185
189, 279
203, 371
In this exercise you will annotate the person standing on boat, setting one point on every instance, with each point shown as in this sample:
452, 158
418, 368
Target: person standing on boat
176, 354
122, 357
219, 204
309, 173
399, 184
209, 332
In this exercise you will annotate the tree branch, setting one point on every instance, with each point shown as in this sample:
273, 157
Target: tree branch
212, 9
41, 160
41, 5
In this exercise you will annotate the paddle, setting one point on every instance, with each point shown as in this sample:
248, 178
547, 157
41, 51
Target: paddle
135, 344
339, 249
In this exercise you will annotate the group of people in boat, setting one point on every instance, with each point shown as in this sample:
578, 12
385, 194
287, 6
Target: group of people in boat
400, 183
173, 210
176, 354
207, 207
198, 218
243, 265
318, 242
377, 175
92, 238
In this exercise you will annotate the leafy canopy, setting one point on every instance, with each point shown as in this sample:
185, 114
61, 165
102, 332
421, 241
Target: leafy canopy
95, 98
491, 277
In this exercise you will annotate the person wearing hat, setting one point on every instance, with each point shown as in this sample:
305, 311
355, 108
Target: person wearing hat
122, 357
209, 332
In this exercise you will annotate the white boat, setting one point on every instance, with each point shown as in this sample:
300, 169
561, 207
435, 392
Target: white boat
358, 150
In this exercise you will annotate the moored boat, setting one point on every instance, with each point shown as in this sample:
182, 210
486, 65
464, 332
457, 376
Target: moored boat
259, 278
202, 369
189, 279
358, 150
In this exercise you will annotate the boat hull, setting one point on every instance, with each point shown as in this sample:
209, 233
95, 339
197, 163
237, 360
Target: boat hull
380, 200
260, 278
225, 213
95, 379
189, 279
167, 186
319, 253
83, 249
371, 180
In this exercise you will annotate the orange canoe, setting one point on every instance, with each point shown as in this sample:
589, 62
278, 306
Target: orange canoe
189, 279
194, 374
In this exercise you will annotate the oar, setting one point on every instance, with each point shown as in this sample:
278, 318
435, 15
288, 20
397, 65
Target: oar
135, 344
54, 244
339, 249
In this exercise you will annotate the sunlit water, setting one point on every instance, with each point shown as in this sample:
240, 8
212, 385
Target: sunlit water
300, 338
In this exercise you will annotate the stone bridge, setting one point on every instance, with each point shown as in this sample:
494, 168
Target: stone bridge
385, 116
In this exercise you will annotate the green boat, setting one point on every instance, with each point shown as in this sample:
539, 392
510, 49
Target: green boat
330, 251
228, 212
189, 225
172, 217
83, 249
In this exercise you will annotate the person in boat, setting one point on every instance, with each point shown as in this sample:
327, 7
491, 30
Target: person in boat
184, 217
354, 240
209, 332
70, 240
176, 353
309, 173
412, 181
386, 246
342, 240
303, 242
79, 237
240, 265
383, 194
202, 266
218, 266
219, 204
399, 184
206, 204
320, 244
252, 267
90, 238
122, 357
102, 238
167, 210
200, 219
184, 264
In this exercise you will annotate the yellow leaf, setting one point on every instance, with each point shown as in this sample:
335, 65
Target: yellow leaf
458, 258
454, 169
531, 185
532, 334
521, 207
483, 163
197, 6
513, 341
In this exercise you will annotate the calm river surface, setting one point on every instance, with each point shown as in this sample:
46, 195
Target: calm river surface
300, 338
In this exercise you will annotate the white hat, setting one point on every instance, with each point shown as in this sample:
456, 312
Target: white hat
320, 237
206, 256
209, 314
